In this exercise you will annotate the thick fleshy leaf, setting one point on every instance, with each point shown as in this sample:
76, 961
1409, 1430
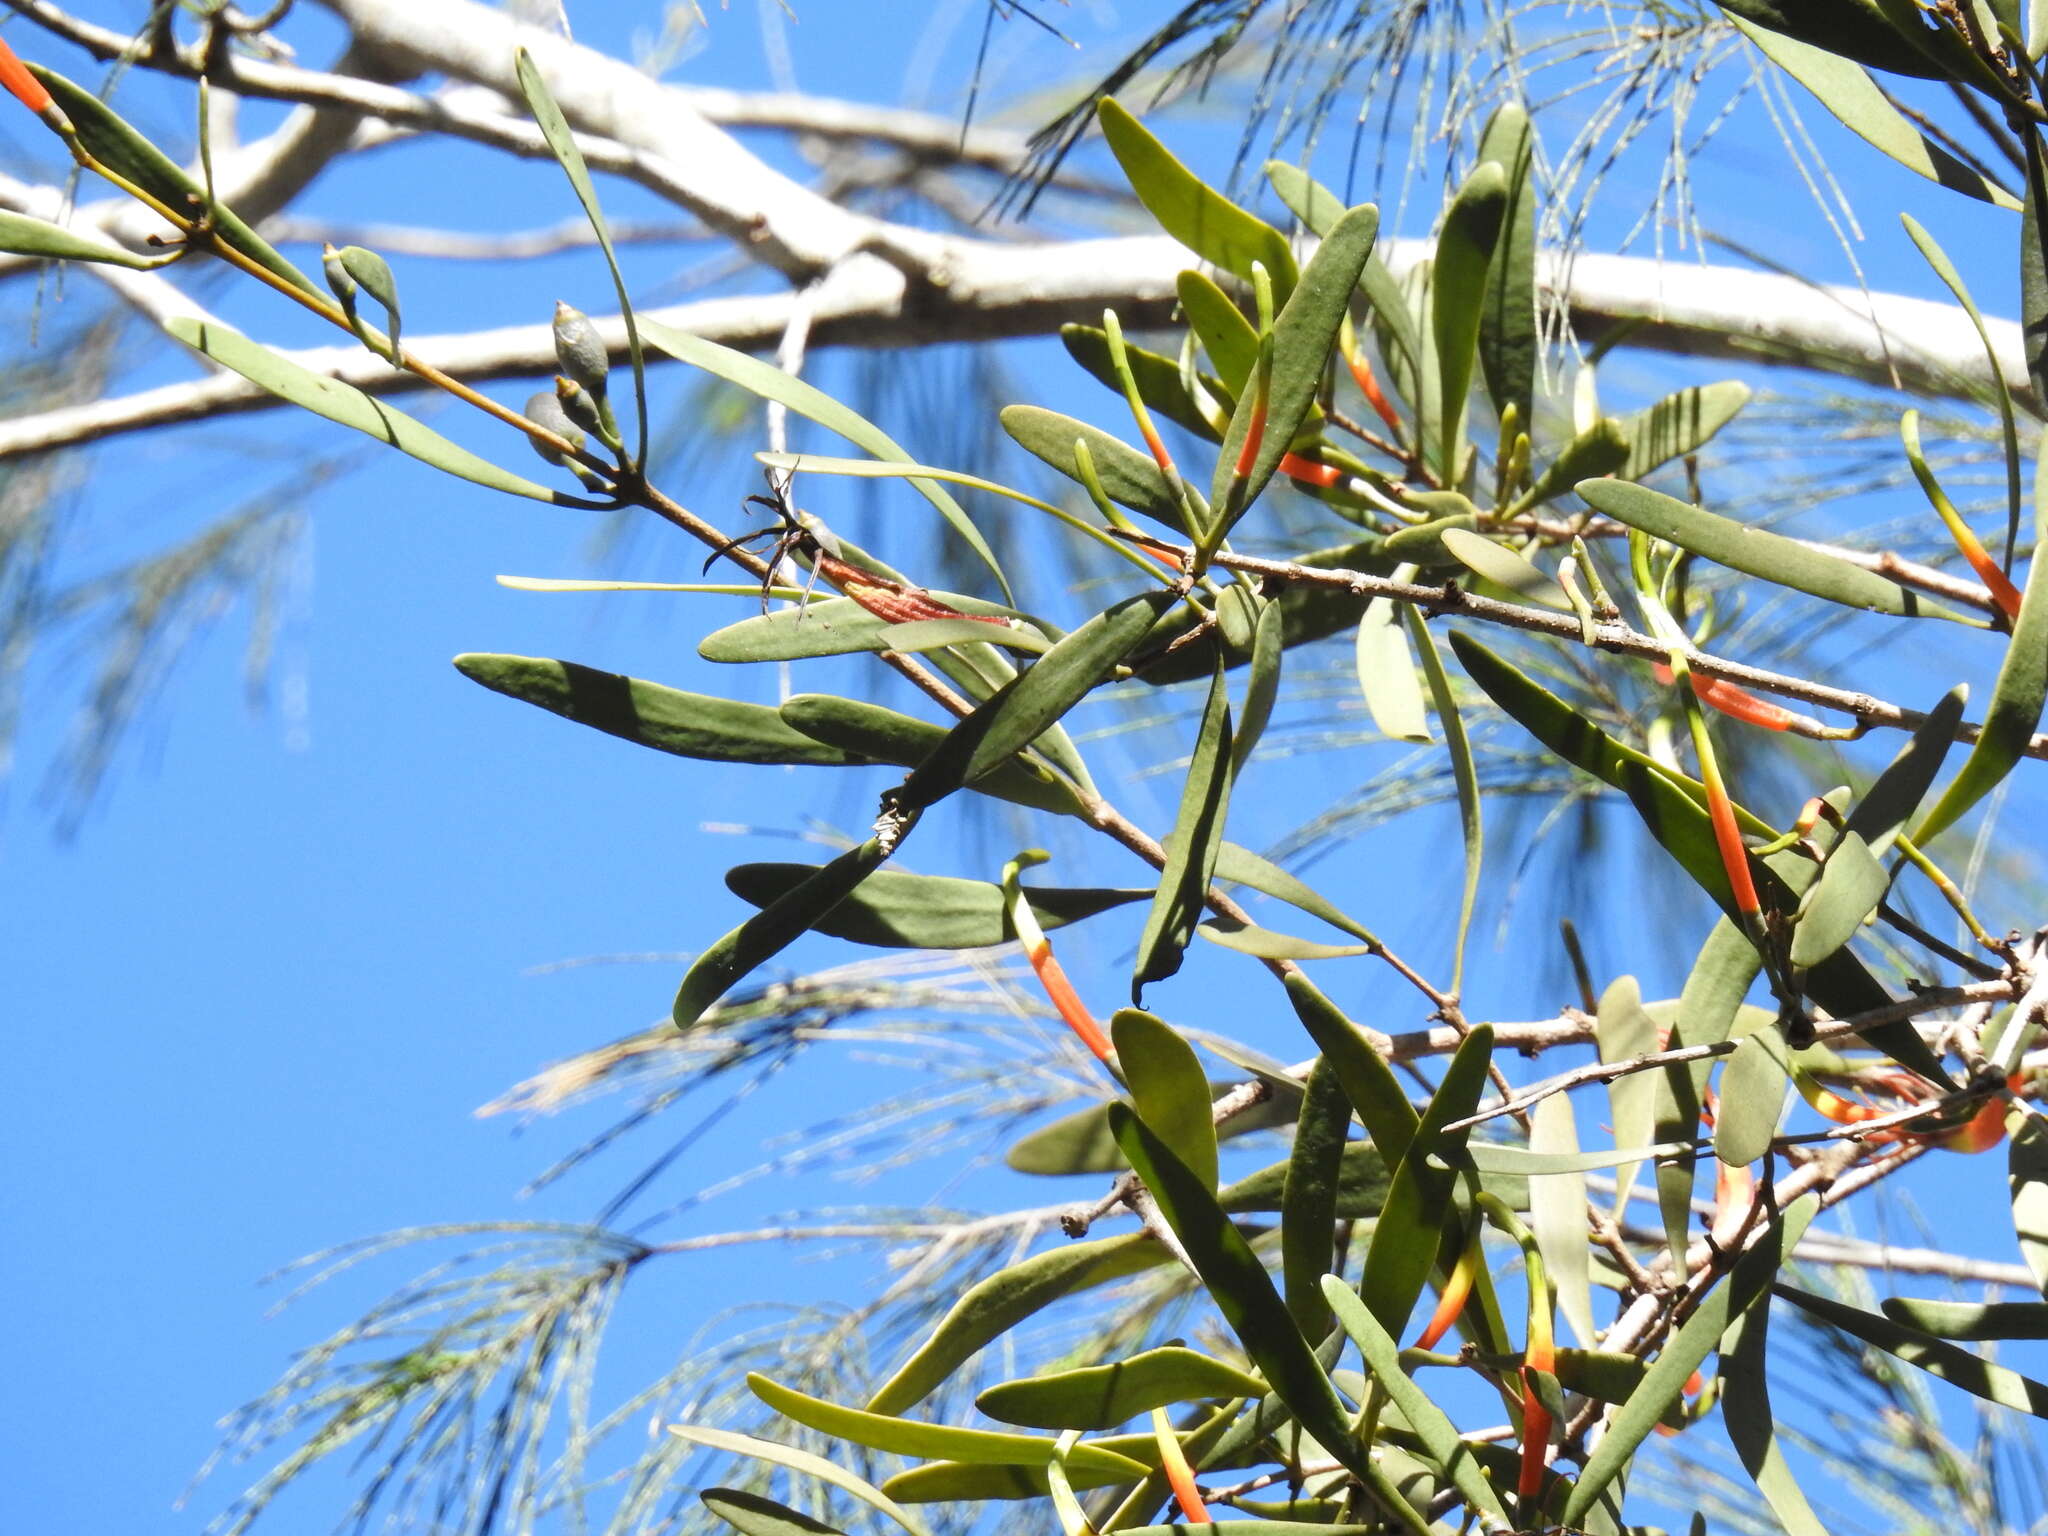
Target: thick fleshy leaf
371, 273
1168, 1087
1261, 685
1623, 1031
2034, 271
1953, 1364
1896, 793
1557, 1216
25, 236
346, 404
1423, 544
1128, 476
768, 932
829, 626
1533, 1161
1458, 295
1270, 944
1386, 674
1991, 1320
1755, 551
1664, 1383
1410, 1231
1845, 88
1752, 1430
1857, 29
1464, 774
1308, 1209
1601, 449
930, 634
993, 1306
2016, 697
1243, 1292
1722, 973
1850, 886
1231, 340
1376, 1095
1752, 1098
1304, 333
1190, 847
1679, 424
1320, 209
934, 1442
772, 383
1361, 1188
2027, 1184
1507, 327
893, 910
883, 735
1237, 865
1187, 208
1432, 1427
754, 1514
1504, 568
1081, 1143
1104, 1396
666, 719
801, 1462
1158, 378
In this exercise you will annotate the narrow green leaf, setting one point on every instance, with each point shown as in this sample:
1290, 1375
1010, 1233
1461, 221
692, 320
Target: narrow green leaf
1320, 209
885, 735
1752, 1100
1439, 1436
993, 1306
1850, 886
1423, 543
932, 634
25, 236
1236, 865
346, 404
1953, 1364
1857, 29
1360, 1192
1168, 1087
2027, 1185
1557, 1216
1104, 1396
753, 1514
1128, 475
1678, 425
1081, 1143
666, 719
801, 1462
768, 932
1752, 1430
372, 273
829, 626
2034, 269
1158, 377
1722, 973
771, 383
893, 910
1458, 296
1507, 326
1756, 552
1190, 847
1993, 1320
1262, 683
1602, 449
1386, 675
1308, 1207
1304, 334
2015, 698
1270, 944
1504, 568
1845, 88
1244, 1294
1203, 220
1376, 1095
1409, 1234
1895, 794
1664, 1383
1623, 1031
1231, 340
1532, 1162
1464, 772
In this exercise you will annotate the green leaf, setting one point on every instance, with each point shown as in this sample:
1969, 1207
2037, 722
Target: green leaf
1203, 220
1081, 1143
1664, 1383
1406, 1240
25, 236
768, 932
831, 626
346, 404
1191, 846
1168, 1087
1438, 1435
1243, 1292
892, 910
1458, 299
1159, 381
1304, 334
752, 1514
1845, 88
1623, 1031
1231, 340
666, 719
1895, 794
1504, 568
1722, 973
1746, 1411
934, 1442
2015, 698
2034, 270
1850, 886
1236, 865
1025, 709
887, 736
1361, 1189
1992, 1320
1376, 1094
1954, 1365
1755, 552
1602, 449
1423, 544
993, 1306
1507, 326
1531, 1162
1857, 29
1308, 1207
1262, 685
801, 1462
1386, 674
932, 634
1320, 209
117, 146
1269, 944
1678, 425
1557, 1216
1128, 475
2027, 1184
1752, 1098
370, 272
1464, 772
1104, 1396
771, 383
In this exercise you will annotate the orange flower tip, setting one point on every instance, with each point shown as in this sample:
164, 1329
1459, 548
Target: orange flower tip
28, 90
1295, 467
1694, 1385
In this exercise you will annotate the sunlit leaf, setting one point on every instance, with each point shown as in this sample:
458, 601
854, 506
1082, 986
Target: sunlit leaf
1128, 475
1954, 1365
887, 736
1081, 1143
1158, 378
2027, 1184
25, 236
1504, 568
1308, 1209
1991, 1320
1746, 1412
1191, 846
1508, 342
1557, 1215
1679, 424
893, 910
1458, 297
1231, 340
1850, 886
1386, 674
1168, 1087
1104, 1396
1896, 793
802, 1462
1752, 1097
1623, 1031
754, 1514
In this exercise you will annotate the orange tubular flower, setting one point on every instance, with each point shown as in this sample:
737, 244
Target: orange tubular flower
1736, 702
1179, 1475
2003, 592
1452, 1301
1369, 386
1734, 856
1295, 467
1038, 950
31, 92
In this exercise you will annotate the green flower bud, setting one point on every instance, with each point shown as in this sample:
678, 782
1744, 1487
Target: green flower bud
338, 277
544, 410
580, 407
580, 350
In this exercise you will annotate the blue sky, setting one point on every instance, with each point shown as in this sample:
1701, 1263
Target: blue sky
257, 998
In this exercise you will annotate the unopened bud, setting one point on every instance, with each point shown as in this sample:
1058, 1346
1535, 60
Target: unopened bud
577, 403
544, 410
338, 278
580, 350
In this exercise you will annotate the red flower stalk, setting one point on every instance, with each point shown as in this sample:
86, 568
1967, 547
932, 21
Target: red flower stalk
1180, 1476
1058, 990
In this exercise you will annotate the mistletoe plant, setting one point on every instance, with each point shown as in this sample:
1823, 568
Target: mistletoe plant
1367, 392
